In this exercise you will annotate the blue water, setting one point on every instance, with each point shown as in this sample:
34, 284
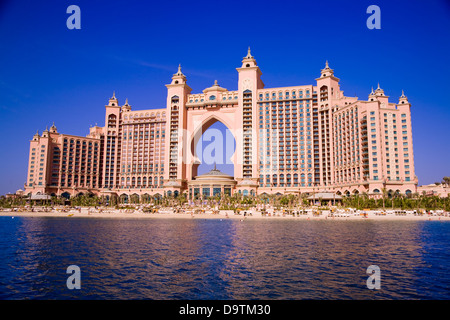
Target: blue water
213, 259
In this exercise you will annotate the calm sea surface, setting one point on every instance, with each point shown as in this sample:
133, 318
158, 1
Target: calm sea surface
213, 259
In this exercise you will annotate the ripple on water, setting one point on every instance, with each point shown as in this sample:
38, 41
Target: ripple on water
212, 259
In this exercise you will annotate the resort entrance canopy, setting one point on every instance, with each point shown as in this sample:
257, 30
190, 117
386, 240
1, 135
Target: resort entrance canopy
325, 198
40, 197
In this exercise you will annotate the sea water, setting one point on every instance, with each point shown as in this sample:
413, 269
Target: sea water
222, 259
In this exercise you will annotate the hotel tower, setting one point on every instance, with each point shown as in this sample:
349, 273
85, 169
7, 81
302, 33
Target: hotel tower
295, 139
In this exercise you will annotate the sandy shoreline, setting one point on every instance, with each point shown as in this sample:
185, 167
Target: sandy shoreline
141, 215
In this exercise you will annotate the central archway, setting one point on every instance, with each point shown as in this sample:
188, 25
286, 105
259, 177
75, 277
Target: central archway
213, 134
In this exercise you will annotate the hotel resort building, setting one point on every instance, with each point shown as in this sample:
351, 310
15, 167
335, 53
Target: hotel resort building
294, 139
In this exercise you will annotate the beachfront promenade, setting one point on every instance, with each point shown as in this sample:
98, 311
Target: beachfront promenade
207, 213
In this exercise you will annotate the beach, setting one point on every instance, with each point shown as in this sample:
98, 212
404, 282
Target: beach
246, 216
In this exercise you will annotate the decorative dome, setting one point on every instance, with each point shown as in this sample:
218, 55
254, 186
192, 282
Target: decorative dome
215, 87
214, 174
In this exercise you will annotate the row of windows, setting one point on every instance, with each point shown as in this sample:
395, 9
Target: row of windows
212, 97
287, 94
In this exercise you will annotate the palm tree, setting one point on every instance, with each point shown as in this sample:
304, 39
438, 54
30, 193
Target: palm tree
284, 200
384, 192
304, 199
362, 200
291, 198
446, 181
182, 198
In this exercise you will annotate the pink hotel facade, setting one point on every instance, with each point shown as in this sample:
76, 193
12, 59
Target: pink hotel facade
296, 139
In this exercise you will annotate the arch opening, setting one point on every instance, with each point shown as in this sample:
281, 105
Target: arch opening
213, 144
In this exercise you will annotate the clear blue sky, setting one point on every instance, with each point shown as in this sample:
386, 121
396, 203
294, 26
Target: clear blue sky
50, 73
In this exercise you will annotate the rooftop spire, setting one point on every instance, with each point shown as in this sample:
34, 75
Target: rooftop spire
248, 61
327, 71
379, 91
249, 54
179, 73
178, 78
53, 128
403, 98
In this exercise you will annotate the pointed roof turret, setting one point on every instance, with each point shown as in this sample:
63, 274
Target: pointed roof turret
327, 71
113, 100
379, 91
126, 106
249, 54
45, 132
179, 73
403, 99
372, 95
248, 61
179, 77
327, 74
53, 128
36, 136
